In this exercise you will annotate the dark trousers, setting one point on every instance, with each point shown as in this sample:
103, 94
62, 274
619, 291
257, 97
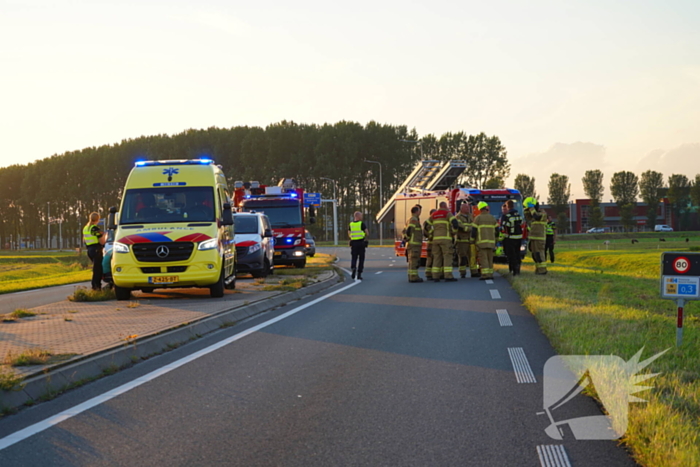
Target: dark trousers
549, 248
95, 254
357, 249
511, 247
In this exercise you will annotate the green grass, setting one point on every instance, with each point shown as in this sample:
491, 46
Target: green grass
32, 270
314, 266
9, 380
34, 357
22, 313
607, 303
82, 294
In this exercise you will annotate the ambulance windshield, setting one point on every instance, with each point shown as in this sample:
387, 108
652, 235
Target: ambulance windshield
167, 204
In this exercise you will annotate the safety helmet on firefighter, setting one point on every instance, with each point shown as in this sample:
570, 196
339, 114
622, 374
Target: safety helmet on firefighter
482, 205
530, 202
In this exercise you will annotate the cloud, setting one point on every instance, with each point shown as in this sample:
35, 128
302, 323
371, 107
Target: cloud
572, 160
684, 159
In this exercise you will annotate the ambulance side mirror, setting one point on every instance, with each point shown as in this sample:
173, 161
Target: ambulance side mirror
227, 215
112, 218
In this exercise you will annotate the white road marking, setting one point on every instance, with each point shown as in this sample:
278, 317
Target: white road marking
391, 265
379, 272
95, 401
495, 294
489, 281
523, 372
553, 455
504, 318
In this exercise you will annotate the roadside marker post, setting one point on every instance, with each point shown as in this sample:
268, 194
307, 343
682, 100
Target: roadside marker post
680, 281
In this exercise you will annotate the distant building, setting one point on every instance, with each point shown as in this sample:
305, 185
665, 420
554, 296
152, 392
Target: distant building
578, 215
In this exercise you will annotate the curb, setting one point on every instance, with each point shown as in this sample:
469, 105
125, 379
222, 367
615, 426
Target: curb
55, 380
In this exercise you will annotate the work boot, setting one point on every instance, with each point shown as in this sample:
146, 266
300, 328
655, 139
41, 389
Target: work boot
450, 279
359, 277
436, 280
354, 271
463, 275
482, 278
476, 274
417, 279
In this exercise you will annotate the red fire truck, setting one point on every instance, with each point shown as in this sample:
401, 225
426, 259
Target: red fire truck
433, 182
284, 206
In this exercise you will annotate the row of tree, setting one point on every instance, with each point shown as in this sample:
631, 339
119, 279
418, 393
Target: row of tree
626, 188
65, 188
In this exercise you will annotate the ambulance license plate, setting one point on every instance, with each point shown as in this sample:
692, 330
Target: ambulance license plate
163, 279
278, 253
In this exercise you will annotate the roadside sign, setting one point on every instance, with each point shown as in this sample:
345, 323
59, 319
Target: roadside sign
680, 281
312, 199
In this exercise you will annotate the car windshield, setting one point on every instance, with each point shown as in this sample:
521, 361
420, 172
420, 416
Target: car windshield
279, 214
167, 204
245, 224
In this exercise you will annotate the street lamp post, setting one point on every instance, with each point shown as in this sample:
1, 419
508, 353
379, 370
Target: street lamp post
381, 199
48, 223
335, 209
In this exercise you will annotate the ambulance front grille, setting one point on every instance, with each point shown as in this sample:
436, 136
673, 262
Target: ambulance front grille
161, 252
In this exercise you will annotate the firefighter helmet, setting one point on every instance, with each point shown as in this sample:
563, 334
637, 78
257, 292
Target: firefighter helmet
530, 202
482, 205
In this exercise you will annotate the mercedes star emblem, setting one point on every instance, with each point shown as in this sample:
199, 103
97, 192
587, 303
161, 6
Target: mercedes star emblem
162, 251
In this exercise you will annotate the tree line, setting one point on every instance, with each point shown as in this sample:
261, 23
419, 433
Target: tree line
626, 188
63, 189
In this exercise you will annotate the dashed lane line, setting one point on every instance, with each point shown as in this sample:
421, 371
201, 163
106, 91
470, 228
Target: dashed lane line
523, 372
489, 281
553, 455
379, 272
504, 318
495, 294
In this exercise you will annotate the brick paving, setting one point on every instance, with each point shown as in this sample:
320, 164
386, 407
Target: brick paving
84, 328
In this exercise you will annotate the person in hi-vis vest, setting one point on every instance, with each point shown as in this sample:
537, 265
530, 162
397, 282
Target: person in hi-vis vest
357, 231
94, 239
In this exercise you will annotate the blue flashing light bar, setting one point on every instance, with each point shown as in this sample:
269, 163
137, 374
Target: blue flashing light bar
175, 162
288, 240
293, 195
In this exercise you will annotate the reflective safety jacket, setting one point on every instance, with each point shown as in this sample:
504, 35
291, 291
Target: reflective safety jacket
485, 228
356, 232
464, 234
550, 228
414, 233
441, 223
512, 224
91, 234
428, 232
537, 223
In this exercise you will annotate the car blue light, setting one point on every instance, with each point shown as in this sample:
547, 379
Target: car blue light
141, 163
293, 195
288, 240
205, 161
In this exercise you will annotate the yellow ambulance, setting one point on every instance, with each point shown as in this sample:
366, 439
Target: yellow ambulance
174, 228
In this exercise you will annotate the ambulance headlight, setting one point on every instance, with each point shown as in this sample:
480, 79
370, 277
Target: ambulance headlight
120, 247
208, 244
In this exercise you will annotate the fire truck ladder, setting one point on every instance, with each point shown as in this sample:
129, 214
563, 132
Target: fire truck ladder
428, 175
447, 176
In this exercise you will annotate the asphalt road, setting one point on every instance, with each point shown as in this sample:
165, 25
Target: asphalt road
383, 372
32, 298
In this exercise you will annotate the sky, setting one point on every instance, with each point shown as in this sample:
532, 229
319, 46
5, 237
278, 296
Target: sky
568, 86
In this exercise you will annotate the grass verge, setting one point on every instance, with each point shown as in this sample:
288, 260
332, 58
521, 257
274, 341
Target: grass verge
9, 380
33, 270
608, 304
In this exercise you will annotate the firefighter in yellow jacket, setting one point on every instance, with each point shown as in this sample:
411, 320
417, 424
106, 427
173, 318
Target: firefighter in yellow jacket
428, 236
484, 231
463, 237
443, 225
537, 225
413, 236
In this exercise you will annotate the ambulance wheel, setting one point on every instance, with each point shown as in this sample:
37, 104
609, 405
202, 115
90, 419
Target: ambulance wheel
217, 290
122, 293
300, 264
